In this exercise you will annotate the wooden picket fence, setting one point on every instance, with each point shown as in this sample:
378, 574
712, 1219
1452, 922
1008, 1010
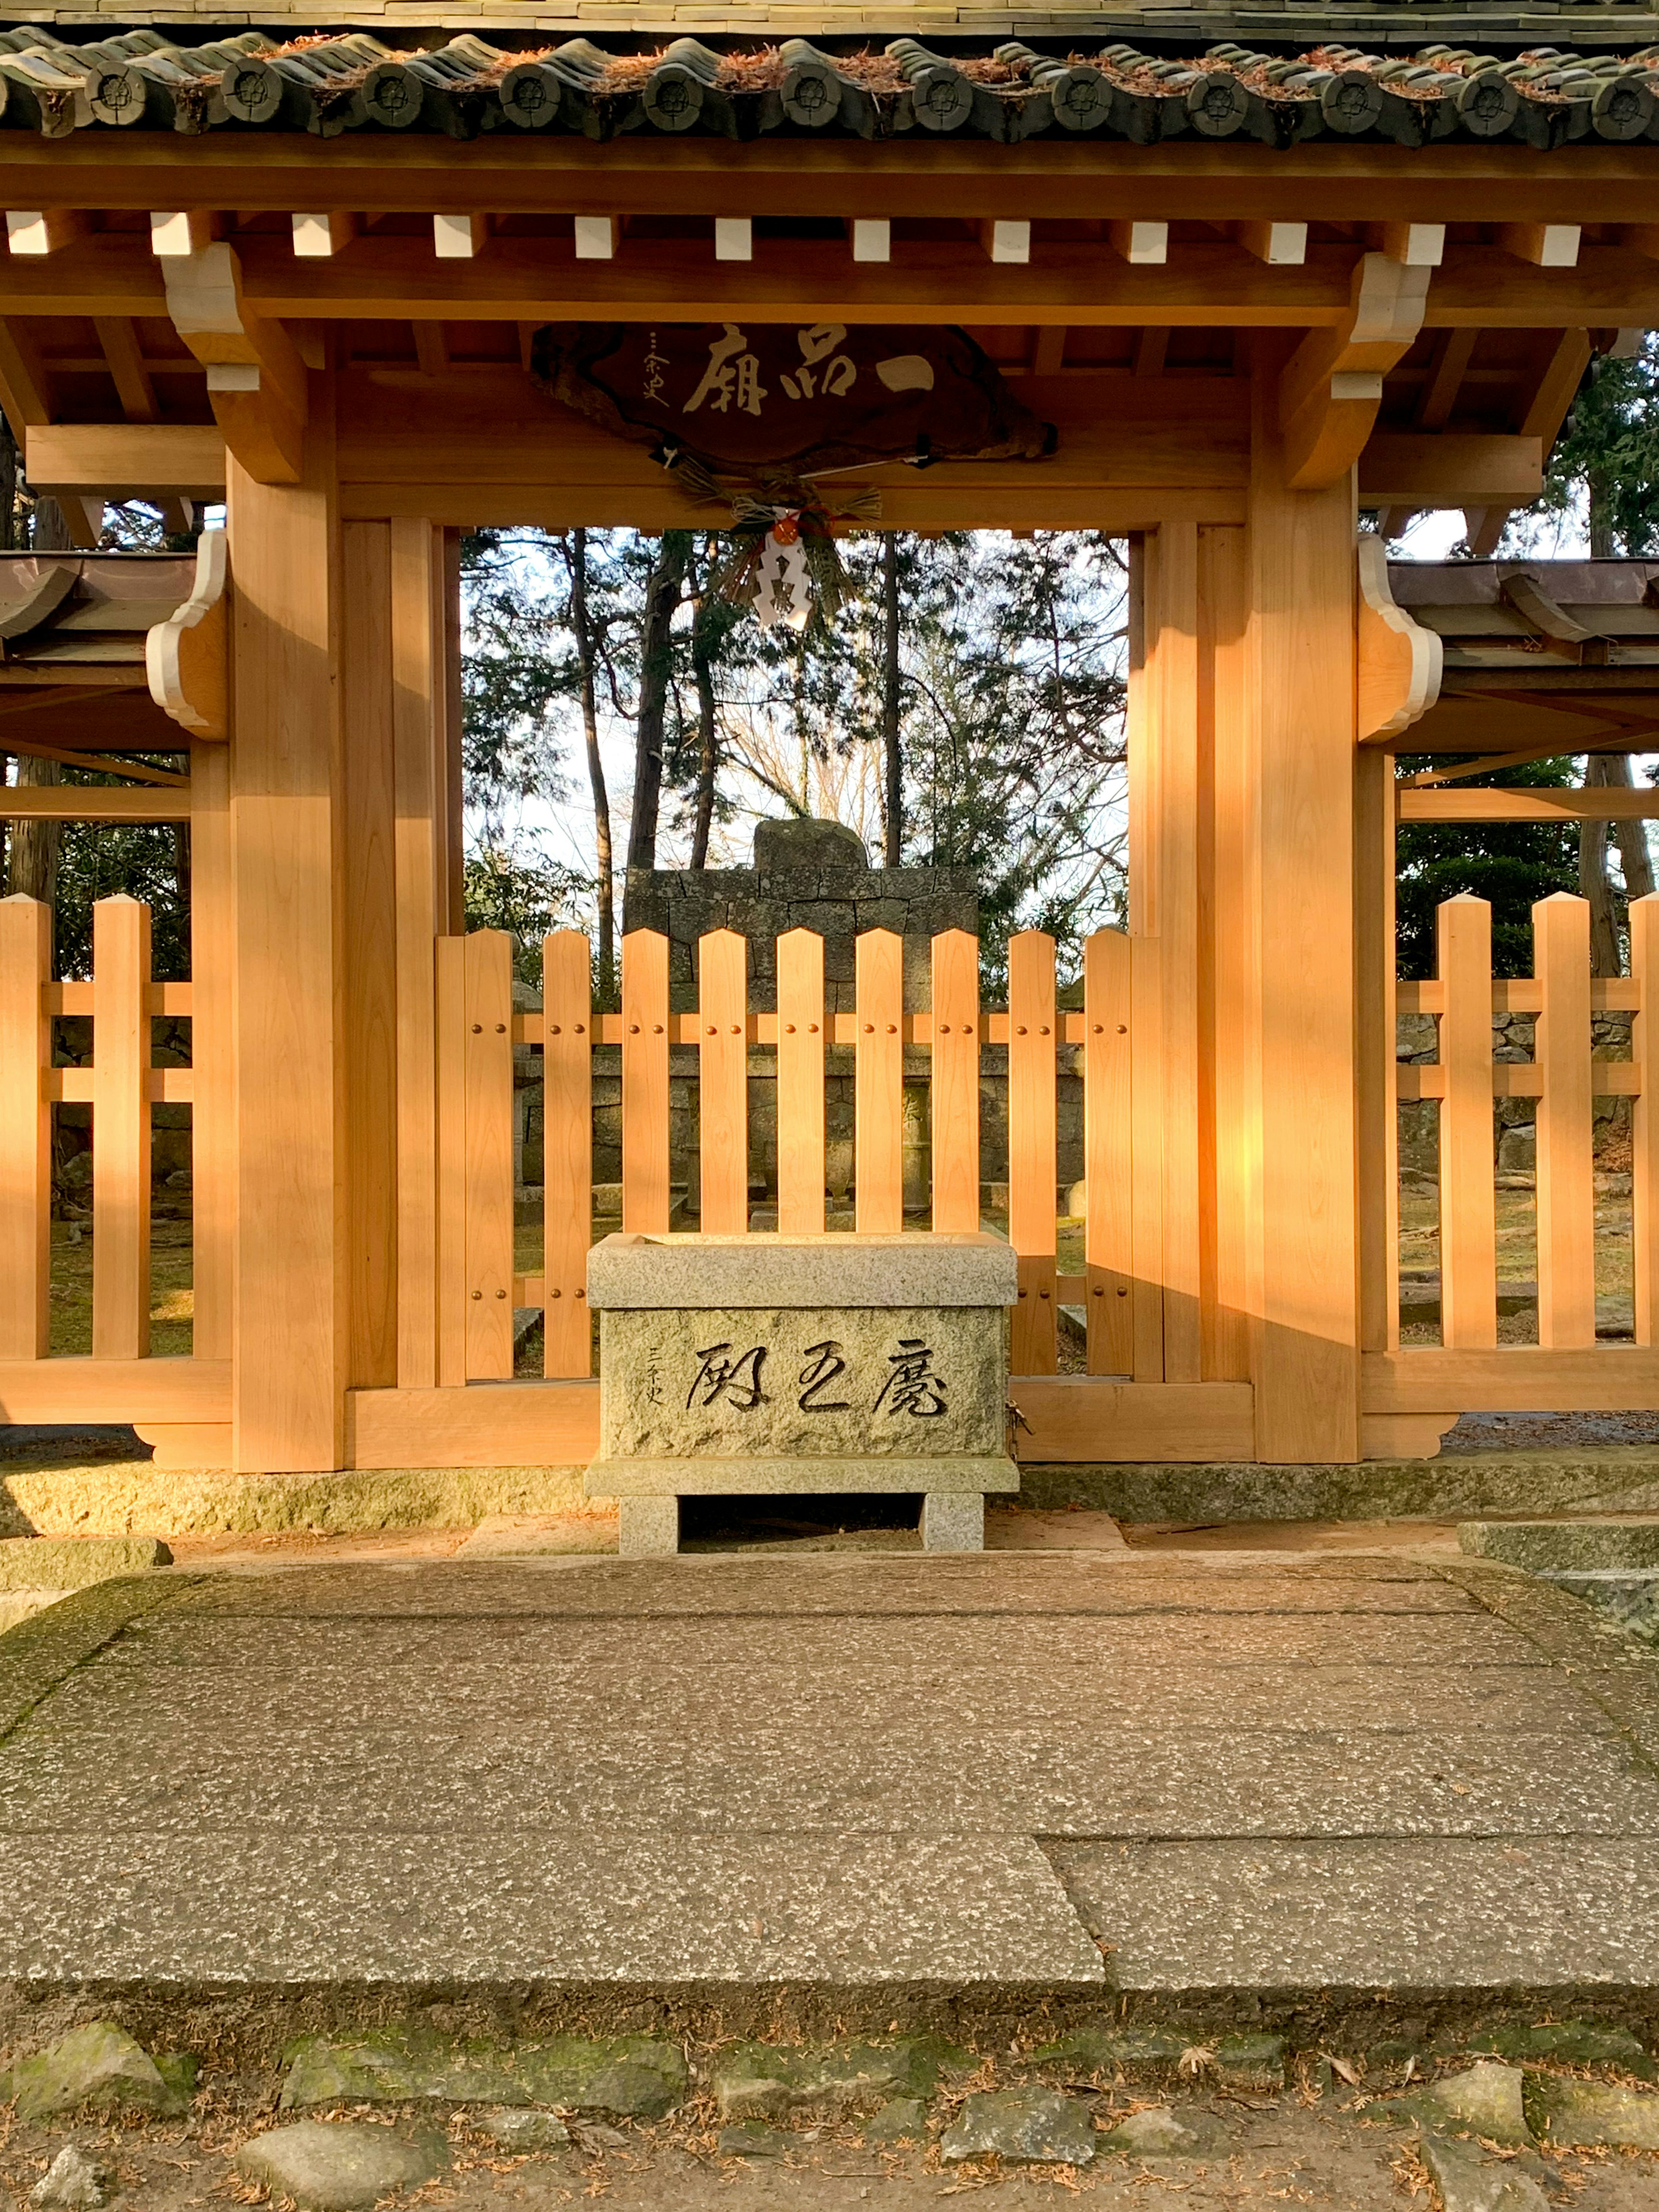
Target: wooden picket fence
1564, 1080
477, 1030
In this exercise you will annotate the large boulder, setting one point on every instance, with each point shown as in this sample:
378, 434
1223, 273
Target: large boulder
96, 2068
1036, 2127
1484, 2101
333, 2166
1590, 2114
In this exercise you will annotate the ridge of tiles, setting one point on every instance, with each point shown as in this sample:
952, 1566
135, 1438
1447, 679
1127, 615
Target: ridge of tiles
326, 84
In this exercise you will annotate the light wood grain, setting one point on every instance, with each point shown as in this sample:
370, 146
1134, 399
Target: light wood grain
291, 1285
488, 1083
723, 1088
1031, 1148
1071, 1417
421, 845
1644, 1118
954, 1088
25, 1129
1567, 1198
645, 1081
1377, 1123
120, 1130
878, 1080
567, 1151
1468, 1219
1146, 1157
1107, 1165
449, 978
59, 1391
801, 1035
370, 942
213, 1063
1515, 1378
525, 1424
1300, 666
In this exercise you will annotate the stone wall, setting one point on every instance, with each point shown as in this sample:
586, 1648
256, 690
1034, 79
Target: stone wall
1514, 1133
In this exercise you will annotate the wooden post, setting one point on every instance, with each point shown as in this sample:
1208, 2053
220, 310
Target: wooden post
292, 1305
567, 1151
1300, 682
488, 988
645, 1082
212, 1054
1468, 1216
723, 1084
1031, 1148
1163, 904
1108, 1167
427, 837
369, 946
25, 1129
879, 1083
120, 1130
1378, 1125
800, 1082
1567, 1194
449, 1141
1644, 1121
954, 1089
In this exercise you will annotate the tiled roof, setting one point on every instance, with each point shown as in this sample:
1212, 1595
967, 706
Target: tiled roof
1542, 97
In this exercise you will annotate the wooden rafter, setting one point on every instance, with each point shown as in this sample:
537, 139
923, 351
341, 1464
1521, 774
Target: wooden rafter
1440, 389
1048, 350
99, 763
1150, 350
133, 385
431, 348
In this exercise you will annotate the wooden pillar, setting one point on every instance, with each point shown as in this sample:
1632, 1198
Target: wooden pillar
212, 1052
1299, 693
292, 1331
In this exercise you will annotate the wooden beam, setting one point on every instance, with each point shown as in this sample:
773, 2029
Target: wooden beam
177, 237
1418, 245
46, 231
78, 1390
460, 237
22, 395
1603, 803
1145, 245
1402, 469
1332, 387
1440, 389
873, 238
257, 382
1071, 1417
164, 460
82, 802
431, 348
133, 387
1513, 1378
316, 237
1007, 242
1555, 387
1281, 244
1546, 245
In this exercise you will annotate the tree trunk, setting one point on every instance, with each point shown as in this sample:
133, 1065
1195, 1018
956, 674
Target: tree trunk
892, 752
662, 598
1601, 516
1593, 882
709, 738
1614, 770
604, 856
32, 853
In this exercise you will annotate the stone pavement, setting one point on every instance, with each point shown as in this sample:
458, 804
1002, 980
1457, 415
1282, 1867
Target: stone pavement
1071, 1778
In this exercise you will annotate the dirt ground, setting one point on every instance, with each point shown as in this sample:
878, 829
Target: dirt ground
1285, 2151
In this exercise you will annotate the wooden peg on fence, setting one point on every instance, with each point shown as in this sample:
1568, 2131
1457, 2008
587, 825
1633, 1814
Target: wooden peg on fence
800, 1082
488, 1045
879, 1083
645, 1082
1032, 1148
1468, 1227
723, 1082
567, 1151
120, 1130
25, 1129
1644, 1118
1567, 1183
1109, 1273
955, 1086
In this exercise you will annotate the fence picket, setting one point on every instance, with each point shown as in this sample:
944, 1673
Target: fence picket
25, 1129
723, 1082
1107, 1168
1644, 1121
449, 1029
879, 1083
567, 1151
954, 1100
645, 1082
1567, 1194
800, 1082
1468, 1221
120, 1130
1032, 1147
489, 1152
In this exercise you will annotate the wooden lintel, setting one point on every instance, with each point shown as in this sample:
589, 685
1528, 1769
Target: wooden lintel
85, 802
1531, 804
78, 1390
133, 458
1404, 469
1515, 1378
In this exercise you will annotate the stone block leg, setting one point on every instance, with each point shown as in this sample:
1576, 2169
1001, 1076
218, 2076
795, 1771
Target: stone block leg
953, 1521
649, 1527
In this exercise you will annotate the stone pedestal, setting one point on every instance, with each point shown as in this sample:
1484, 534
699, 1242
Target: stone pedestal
768, 1365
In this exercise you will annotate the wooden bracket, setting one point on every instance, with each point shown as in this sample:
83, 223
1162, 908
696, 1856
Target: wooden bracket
1397, 662
255, 378
1331, 385
187, 656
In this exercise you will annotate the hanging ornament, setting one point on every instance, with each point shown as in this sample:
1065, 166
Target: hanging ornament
783, 590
